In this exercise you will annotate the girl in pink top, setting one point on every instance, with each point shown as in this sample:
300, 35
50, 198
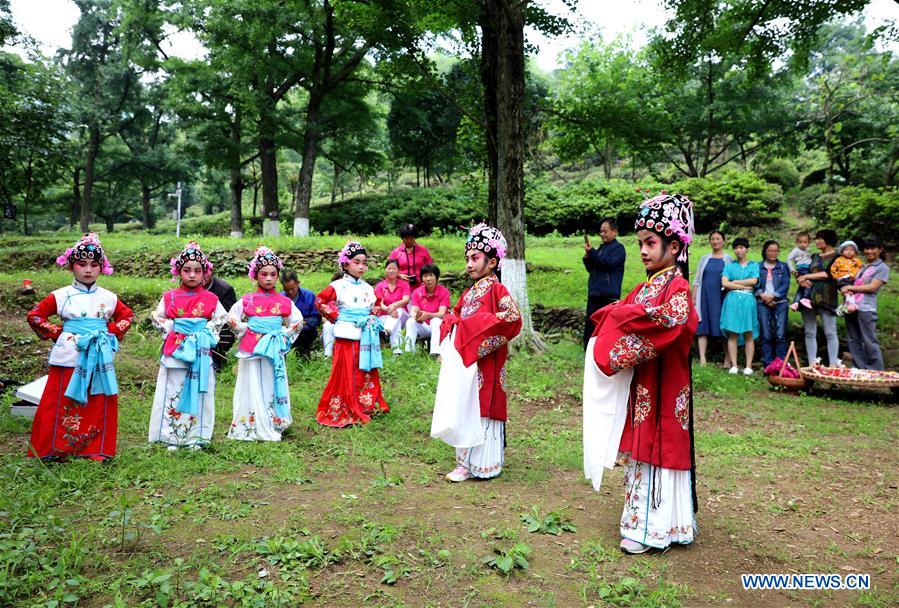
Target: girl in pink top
411, 256
394, 293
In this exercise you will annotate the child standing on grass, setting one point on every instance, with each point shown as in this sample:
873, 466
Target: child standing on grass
477, 331
353, 393
844, 270
78, 411
638, 401
189, 318
266, 324
799, 260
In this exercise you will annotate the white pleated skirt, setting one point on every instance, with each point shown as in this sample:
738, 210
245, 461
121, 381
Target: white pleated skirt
672, 521
254, 417
486, 460
171, 427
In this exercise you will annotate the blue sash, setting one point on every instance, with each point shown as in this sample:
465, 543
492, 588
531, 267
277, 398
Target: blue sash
97, 348
194, 350
273, 344
370, 343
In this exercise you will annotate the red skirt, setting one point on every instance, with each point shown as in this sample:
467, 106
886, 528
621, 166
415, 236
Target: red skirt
63, 427
352, 396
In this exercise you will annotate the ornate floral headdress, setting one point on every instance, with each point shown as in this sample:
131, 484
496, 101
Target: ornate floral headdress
191, 253
487, 239
668, 215
349, 251
263, 256
87, 248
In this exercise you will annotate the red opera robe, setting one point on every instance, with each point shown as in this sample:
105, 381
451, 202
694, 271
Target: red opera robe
63, 427
651, 331
486, 318
352, 395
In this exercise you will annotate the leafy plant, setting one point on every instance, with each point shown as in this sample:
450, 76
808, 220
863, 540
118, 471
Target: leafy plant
507, 561
385, 481
289, 552
552, 523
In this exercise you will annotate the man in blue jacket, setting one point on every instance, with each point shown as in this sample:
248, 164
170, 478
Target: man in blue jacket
304, 300
606, 267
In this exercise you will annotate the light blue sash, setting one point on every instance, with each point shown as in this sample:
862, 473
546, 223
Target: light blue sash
194, 350
370, 343
97, 347
273, 345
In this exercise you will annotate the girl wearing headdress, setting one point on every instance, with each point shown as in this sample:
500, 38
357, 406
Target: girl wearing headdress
472, 381
189, 318
266, 324
353, 393
78, 411
638, 401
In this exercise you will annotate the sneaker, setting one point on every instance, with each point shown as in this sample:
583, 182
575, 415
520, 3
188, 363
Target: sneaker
632, 547
172, 448
747, 371
460, 473
806, 302
794, 306
734, 370
397, 352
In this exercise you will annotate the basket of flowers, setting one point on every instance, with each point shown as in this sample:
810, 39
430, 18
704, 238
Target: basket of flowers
780, 373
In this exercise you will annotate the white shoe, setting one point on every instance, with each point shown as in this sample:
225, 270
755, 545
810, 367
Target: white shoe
172, 448
632, 547
747, 371
733, 370
460, 473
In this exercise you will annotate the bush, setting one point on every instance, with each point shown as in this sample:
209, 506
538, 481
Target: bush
731, 199
781, 171
857, 210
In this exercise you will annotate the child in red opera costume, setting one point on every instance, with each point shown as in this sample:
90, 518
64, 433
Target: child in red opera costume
353, 394
78, 412
638, 402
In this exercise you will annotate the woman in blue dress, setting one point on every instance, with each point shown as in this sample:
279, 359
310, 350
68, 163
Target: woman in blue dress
738, 313
708, 296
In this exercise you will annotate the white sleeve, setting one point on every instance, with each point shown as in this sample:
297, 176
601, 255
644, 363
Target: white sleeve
294, 322
160, 321
219, 316
236, 319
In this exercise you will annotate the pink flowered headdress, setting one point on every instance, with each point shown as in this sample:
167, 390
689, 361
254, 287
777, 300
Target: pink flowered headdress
349, 251
191, 253
263, 256
87, 248
487, 239
668, 215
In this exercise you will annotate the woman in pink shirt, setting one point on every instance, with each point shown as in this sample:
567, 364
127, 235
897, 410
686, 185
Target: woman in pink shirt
411, 256
430, 301
394, 293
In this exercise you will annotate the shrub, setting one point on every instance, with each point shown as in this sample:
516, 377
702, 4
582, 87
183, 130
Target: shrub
731, 199
781, 171
857, 210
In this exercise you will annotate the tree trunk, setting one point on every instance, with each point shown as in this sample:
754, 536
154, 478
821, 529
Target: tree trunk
503, 74
75, 207
147, 217
607, 160
93, 148
334, 183
236, 187
307, 168
268, 168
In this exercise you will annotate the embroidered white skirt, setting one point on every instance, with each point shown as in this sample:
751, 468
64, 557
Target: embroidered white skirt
254, 417
485, 460
672, 521
168, 425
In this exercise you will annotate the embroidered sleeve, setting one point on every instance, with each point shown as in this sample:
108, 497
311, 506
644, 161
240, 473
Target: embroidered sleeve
159, 320
218, 319
508, 310
122, 318
326, 303
38, 319
294, 322
491, 344
671, 313
237, 319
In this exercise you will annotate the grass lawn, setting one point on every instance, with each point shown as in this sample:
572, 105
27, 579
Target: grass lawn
362, 516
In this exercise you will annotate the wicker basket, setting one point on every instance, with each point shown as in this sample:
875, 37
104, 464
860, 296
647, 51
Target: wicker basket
810, 374
792, 385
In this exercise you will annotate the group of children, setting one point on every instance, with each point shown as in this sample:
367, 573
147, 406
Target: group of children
637, 379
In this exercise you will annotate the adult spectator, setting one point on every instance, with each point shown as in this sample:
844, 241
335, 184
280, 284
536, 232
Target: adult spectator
411, 256
394, 294
430, 303
605, 265
861, 326
739, 319
823, 296
708, 295
772, 303
304, 300
227, 297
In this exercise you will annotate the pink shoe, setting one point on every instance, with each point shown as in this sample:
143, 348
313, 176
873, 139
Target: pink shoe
806, 302
632, 547
460, 473
794, 306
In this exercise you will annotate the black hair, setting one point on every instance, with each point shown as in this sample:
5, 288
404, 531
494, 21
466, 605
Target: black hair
408, 230
430, 269
391, 261
289, 275
684, 266
767, 244
805, 234
740, 240
873, 241
828, 236
613, 225
719, 233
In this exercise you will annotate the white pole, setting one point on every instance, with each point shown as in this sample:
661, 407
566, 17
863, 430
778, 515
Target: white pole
178, 224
